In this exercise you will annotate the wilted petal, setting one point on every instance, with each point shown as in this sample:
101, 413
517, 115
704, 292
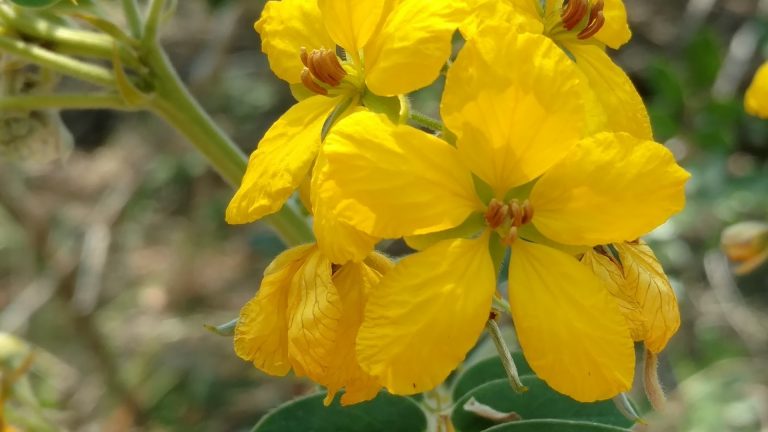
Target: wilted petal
261, 335
650, 286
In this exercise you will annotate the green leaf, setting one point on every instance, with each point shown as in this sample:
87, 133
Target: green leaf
35, 3
383, 414
539, 402
554, 426
703, 59
485, 371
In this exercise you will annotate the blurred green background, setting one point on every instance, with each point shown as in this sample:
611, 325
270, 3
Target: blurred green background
112, 261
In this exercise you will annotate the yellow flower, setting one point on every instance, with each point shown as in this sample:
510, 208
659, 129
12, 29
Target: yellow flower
305, 317
389, 47
522, 175
756, 99
583, 28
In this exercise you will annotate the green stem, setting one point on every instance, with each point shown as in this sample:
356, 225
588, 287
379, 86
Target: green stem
65, 40
65, 101
58, 62
426, 121
152, 23
132, 16
175, 104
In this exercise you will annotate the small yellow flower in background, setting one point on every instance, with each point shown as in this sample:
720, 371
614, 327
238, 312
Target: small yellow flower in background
551, 190
583, 28
305, 317
389, 48
756, 98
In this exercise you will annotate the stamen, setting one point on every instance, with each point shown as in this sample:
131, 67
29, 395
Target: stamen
322, 65
527, 212
510, 237
516, 213
574, 12
496, 213
306, 79
595, 23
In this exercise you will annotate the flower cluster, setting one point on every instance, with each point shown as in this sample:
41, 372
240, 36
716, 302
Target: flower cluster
546, 156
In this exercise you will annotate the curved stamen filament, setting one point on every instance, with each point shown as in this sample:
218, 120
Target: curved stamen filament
574, 12
596, 21
321, 65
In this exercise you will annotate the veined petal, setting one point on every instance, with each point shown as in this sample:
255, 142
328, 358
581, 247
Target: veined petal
281, 161
756, 99
610, 272
426, 314
285, 27
315, 311
520, 16
339, 241
513, 122
412, 45
623, 107
352, 22
354, 282
615, 32
393, 180
261, 334
649, 285
569, 327
610, 188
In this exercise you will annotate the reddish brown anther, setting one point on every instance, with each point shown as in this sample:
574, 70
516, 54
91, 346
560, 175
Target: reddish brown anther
321, 65
596, 21
527, 212
574, 12
306, 79
496, 213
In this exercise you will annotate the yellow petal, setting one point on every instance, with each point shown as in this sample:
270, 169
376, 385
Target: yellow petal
351, 22
621, 103
426, 314
354, 283
513, 122
610, 272
521, 18
261, 334
315, 311
650, 286
281, 161
389, 181
285, 27
339, 241
756, 99
412, 45
615, 32
569, 327
611, 188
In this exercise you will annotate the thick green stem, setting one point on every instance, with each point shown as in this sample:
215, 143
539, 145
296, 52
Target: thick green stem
175, 104
65, 101
58, 62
